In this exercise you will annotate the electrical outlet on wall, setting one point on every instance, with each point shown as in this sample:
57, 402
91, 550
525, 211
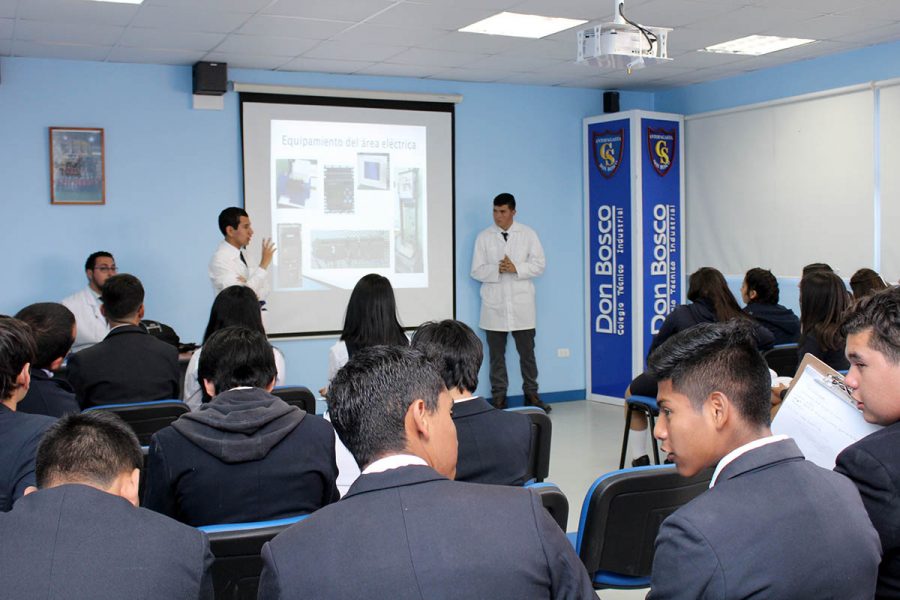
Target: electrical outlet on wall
562, 353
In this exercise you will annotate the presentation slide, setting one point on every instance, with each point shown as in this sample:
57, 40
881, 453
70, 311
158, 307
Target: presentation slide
345, 191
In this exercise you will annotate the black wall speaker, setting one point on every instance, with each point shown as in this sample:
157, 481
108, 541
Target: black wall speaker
610, 102
210, 79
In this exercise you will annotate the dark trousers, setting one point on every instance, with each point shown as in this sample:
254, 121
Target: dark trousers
524, 339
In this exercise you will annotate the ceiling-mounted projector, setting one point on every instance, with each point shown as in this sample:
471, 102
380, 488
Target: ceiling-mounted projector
622, 44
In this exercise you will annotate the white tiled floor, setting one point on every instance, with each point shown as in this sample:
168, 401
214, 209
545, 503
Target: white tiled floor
587, 440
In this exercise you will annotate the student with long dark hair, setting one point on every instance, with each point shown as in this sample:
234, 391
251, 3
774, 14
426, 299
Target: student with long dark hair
370, 320
865, 282
760, 293
823, 301
711, 301
235, 306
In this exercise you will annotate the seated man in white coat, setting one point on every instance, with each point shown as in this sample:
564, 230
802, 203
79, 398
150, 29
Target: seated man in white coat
85, 304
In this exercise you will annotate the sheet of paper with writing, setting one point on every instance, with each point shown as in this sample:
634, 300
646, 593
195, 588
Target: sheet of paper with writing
820, 414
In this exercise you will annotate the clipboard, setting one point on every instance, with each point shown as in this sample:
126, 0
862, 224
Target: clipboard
819, 413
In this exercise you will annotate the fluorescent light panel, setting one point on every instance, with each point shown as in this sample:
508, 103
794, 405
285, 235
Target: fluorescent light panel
756, 45
519, 25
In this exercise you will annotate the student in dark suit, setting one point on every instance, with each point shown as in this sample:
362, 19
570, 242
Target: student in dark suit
81, 534
872, 328
404, 530
20, 433
53, 326
493, 444
246, 455
129, 365
732, 541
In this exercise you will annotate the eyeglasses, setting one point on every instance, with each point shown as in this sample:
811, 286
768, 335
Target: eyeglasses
105, 269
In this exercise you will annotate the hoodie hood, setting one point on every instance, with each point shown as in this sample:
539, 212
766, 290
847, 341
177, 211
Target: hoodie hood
240, 425
781, 321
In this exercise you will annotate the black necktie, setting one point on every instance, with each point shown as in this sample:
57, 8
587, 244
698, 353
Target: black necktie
505, 236
243, 260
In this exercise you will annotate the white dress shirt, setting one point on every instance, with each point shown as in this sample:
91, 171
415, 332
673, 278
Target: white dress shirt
225, 268
507, 299
90, 323
728, 458
192, 392
395, 461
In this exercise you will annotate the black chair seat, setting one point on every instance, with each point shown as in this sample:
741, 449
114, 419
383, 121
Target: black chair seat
146, 418
297, 395
783, 359
541, 435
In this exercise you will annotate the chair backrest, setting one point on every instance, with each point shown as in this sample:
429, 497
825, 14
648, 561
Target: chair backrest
553, 500
541, 434
237, 549
622, 512
783, 359
146, 418
297, 395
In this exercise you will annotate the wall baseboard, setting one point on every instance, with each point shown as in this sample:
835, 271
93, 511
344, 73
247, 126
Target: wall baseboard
549, 397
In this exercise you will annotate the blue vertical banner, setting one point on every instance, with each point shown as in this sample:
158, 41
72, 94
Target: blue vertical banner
661, 216
609, 245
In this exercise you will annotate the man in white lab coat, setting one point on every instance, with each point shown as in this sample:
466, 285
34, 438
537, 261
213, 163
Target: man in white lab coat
507, 257
85, 304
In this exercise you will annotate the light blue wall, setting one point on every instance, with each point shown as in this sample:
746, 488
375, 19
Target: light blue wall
838, 70
171, 169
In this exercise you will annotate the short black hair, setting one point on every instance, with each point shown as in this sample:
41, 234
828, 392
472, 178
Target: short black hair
17, 348
764, 283
91, 447
505, 199
879, 312
92, 259
231, 217
122, 296
369, 397
237, 357
813, 267
454, 349
51, 324
719, 357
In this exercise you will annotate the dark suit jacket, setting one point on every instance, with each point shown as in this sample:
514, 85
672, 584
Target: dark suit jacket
409, 533
48, 396
75, 541
873, 464
774, 526
20, 434
493, 444
129, 365
296, 476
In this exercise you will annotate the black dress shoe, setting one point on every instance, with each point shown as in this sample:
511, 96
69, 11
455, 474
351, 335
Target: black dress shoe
536, 401
641, 461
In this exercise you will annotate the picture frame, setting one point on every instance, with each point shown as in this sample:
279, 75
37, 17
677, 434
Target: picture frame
77, 171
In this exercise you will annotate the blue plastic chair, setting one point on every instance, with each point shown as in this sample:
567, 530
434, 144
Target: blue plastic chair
553, 500
650, 408
237, 548
541, 435
620, 517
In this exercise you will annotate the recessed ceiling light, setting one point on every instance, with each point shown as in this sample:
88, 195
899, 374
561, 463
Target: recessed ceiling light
519, 25
756, 45
122, 1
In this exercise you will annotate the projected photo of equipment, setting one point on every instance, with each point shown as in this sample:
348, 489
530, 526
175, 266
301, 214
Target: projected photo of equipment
350, 249
290, 254
294, 181
408, 247
339, 190
373, 171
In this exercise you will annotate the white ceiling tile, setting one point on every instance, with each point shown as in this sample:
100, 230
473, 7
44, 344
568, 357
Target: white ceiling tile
347, 51
512, 63
446, 16
8, 8
458, 41
77, 11
155, 56
189, 19
750, 20
829, 27
687, 39
874, 36
89, 35
261, 44
543, 78
366, 33
418, 56
63, 51
569, 9
314, 29
675, 13
337, 10
6, 29
561, 50
247, 61
140, 37
477, 75
700, 60
325, 66
885, 11
245, 6
822, 7
392, 70
495, 5
6, 47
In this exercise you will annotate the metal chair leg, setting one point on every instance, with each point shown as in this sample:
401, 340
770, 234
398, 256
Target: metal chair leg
652, 425
625, 435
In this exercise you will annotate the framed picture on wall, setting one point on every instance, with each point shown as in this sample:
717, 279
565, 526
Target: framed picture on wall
77, 174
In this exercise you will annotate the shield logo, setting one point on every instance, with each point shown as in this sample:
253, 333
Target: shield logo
661, 147
607, 146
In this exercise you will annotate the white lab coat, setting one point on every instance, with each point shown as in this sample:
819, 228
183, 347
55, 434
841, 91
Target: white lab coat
507, 299
90, 323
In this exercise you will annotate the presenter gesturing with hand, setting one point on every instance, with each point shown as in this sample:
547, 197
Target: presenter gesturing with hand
228, 265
